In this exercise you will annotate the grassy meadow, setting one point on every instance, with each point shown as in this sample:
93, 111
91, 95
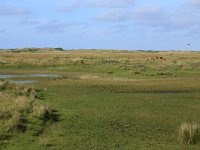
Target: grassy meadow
105, 100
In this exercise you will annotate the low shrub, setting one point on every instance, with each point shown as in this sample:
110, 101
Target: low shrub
110, 72
3, 85
38, 94
165, 73
137, 72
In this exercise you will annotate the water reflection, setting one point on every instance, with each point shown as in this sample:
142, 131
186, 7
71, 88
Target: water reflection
8, 76
23, 81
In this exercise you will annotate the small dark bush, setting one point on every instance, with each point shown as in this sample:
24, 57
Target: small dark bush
165, 73
110, 72
137, 72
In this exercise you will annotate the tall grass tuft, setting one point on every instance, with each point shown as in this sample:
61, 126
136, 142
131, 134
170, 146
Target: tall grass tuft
189, 133
42, 111
16, 123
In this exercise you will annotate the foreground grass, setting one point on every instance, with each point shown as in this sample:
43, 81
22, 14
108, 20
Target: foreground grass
131, 115
104, 106
101, 119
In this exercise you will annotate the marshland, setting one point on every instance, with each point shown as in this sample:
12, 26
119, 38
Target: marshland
99, 99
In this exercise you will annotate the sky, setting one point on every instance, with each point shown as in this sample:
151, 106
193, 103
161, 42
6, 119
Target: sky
101, 24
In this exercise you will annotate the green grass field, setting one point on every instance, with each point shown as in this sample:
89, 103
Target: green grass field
108, 99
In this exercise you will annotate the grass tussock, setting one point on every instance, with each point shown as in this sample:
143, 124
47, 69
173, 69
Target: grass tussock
189, 133
20, 110
42, 111
16, 123
21, 90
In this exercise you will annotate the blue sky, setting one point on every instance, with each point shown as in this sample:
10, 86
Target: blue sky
101, 24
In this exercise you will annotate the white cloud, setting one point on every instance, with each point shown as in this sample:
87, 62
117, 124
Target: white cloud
195, 3
97, 4
29, 21
108, 3
2, 30
144, 15
148, 12
155, 17
159, 19
52, 27
56, 26
6, 10
114, 16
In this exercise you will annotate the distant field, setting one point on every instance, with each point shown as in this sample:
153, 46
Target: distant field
106, 99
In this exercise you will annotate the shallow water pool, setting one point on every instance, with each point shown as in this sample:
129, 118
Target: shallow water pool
11, 76
8, 76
